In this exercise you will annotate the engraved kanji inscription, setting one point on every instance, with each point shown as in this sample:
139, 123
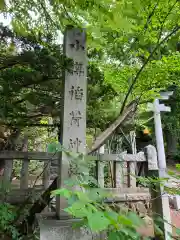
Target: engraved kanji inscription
76, 93
77, 45
75, 117
74, 144
78, 69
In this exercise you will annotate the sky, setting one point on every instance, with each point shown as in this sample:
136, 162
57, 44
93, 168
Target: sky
6, 21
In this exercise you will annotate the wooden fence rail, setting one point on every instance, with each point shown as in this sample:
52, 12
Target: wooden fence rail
122, 191
123, 176
44, 156
41, 156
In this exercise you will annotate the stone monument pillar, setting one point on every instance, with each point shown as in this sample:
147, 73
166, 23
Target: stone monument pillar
73, 134
73, 112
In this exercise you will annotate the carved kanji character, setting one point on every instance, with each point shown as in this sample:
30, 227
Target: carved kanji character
75, 117
74, 144
77, 45
78, 69
76, 93
79, 93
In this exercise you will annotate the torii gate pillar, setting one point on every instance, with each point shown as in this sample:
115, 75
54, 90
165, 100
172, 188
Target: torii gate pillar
157, 108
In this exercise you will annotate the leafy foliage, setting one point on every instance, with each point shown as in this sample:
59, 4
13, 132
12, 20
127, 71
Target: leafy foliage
31, 81
98, 216
132, 55
8, 214
88, 204
122, 36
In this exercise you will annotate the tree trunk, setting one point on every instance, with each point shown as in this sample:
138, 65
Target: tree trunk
9, 145
171, 141
128, 113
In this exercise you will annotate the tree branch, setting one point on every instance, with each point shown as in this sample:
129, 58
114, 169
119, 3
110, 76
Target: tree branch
163, 22
145, 26
130, 110
44, 79
39, 125
9, 65
144, 65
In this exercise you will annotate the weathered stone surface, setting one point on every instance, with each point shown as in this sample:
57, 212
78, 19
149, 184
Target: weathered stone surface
53, 229
73, 110
63, 233
137, 197
132, 206
141, 209
148, 229
152, 157
148, 220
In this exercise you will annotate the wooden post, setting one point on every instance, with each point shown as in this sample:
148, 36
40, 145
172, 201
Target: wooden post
46, 174
46, 179
160, 201
100, 169
24, 168
100, 174
73, 118
47, 165
119, 171
132, 165
7, 172
118, 174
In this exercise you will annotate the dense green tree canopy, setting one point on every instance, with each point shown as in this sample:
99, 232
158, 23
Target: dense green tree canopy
132, 48
31, 79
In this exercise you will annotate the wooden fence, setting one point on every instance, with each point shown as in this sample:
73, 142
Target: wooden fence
123, 170
121, 191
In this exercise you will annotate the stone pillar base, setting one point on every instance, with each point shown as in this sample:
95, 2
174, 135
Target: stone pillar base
53, 229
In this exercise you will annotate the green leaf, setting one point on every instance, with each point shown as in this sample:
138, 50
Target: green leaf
92, 207
178, 166
158, 230
79, 224
2, 5
72, 200
78, 210
82, 196
71, 182
122, 219
178, 231
98, 222
112, 215
89, 180
97, 194
171, 173
130, 233
135, 219
51, 148
43, 121
63, 191
113, 236
54, 147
